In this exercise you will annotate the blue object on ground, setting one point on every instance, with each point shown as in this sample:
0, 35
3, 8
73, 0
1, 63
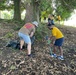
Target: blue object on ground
53, 55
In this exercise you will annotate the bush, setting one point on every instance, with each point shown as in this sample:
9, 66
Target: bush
41, 31
9, 35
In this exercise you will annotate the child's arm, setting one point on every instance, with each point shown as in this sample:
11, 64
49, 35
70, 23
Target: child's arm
52, 38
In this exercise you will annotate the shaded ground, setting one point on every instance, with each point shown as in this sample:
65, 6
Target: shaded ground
15, 62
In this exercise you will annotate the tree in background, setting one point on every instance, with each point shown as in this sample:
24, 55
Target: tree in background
12, 4
34, 8
17, 12
64, 8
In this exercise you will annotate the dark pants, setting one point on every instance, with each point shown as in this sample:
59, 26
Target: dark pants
59, 42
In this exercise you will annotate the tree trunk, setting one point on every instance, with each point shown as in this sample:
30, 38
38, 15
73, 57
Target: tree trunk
37, 12
29, 13
17, 13
32, 12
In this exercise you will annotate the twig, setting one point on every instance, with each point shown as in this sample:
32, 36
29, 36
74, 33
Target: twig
8, 72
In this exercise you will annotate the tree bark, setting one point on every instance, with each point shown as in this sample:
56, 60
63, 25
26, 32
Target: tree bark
29, 13
17, 13
32, 12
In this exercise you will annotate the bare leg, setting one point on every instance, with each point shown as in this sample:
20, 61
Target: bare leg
29, 48
54, 49
21, 43
61, 51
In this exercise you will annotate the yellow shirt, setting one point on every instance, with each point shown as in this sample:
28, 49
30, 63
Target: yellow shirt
57, 33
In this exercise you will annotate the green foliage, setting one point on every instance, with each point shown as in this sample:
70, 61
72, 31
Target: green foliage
45, 4
65, 8
45, 7
16, 24
4, 5
63, 12
41, 31
62, 7
7, 16
13, 67
19, 24
9, 35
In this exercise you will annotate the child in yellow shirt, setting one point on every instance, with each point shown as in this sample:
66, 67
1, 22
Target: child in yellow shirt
57, 39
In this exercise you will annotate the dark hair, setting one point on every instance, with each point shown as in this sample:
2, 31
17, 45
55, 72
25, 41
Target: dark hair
50, 22
52, 15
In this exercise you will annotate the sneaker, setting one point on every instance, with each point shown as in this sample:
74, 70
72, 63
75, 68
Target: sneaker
54, 55
61, 57
20, 49
29, 55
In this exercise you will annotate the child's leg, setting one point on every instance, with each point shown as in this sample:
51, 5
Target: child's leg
54, 49
59, 43
61, 50
61, 54
54, 52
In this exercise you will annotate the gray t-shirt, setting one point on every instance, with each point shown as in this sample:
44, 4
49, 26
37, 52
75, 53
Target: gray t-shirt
27, 29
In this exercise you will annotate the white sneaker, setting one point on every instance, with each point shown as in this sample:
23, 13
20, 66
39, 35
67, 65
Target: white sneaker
61, 57
54, 55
